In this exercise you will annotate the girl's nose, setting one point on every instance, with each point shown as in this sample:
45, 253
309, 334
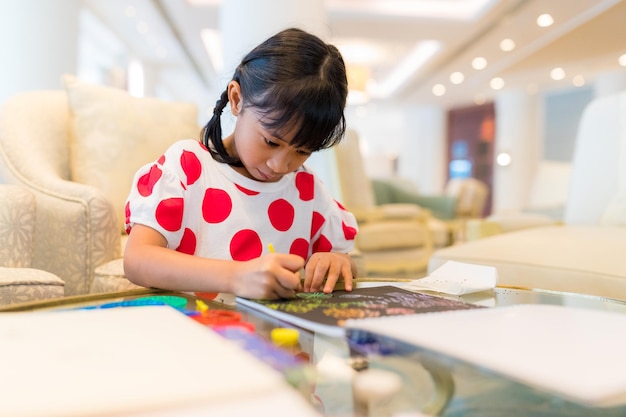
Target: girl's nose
279, 163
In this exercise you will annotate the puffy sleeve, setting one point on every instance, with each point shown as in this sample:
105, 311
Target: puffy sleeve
157, 196
333, 227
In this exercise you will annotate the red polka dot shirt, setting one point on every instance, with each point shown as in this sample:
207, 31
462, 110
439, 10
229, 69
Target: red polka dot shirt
206, 208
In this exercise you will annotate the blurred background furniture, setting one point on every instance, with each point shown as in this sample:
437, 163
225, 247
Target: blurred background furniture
393, 237
20, 281
545, 206
470, 194
76, 151
586, 253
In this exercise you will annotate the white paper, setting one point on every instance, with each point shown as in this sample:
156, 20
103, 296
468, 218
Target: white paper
572, 352
457, 278
125, 361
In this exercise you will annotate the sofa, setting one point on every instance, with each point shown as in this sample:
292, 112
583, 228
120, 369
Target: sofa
584, 253
76, 151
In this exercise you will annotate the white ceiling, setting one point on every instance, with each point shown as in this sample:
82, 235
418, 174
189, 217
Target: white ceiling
587, 38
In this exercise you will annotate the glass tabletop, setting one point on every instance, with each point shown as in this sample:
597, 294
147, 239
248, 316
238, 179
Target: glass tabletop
341, 380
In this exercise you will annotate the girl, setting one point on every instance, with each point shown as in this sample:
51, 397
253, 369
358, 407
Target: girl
206, 216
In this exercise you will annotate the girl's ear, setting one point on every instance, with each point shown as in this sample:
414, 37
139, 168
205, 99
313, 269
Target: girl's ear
234, 98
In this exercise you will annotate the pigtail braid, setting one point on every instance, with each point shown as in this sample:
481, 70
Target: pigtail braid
212, 133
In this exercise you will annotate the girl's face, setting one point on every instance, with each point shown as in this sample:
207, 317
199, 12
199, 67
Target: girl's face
266, 156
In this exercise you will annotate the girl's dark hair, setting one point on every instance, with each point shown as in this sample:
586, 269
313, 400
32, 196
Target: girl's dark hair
291, 79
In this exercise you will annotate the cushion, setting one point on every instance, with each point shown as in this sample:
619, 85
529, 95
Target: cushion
110, 278
21, 285
113, 134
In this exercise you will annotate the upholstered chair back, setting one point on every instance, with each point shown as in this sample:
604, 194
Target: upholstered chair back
597, 191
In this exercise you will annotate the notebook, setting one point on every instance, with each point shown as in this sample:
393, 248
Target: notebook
326, 313
576, 353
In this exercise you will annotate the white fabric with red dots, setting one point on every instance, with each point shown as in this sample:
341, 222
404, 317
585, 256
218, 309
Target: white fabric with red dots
208, 209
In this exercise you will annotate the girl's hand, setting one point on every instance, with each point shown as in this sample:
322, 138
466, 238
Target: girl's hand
271, 276
329, 266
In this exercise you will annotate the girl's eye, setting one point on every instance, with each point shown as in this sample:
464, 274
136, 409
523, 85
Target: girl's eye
303, 152
270, 143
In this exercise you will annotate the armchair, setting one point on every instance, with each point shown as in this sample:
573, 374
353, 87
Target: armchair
393, 237
19, 281
76, 151
584, 254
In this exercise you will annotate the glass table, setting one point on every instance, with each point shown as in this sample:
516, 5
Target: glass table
342, 380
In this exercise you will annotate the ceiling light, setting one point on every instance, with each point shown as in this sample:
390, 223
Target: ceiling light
496, 83
545, 20
557, 74
622, 60
439, 90
479, 63
578, 80
457, 77
419, 55
507, 45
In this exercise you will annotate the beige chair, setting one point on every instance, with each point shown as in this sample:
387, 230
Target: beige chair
471, 196
76, 151
19, 280
392, 238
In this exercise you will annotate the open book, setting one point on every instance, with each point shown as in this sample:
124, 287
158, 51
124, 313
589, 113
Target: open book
327, 313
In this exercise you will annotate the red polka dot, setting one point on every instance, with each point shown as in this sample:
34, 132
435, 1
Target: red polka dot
188, 242
127, 212
322, 245
340, 205
317, 222
191, 166
161, 160
216, 206
245, 245
146, 182
300, 247
281, 214
245, 190
169, 213
349, 232
304, 184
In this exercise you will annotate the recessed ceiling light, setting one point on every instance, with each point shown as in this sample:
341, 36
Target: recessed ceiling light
496, 83
439, 90
578, 80
457, 77
622, 60
557, 74
545, 20
507, 45
479, 63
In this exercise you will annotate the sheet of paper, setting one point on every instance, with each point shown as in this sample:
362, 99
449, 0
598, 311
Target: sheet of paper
457, 278
572, 352
122, 361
